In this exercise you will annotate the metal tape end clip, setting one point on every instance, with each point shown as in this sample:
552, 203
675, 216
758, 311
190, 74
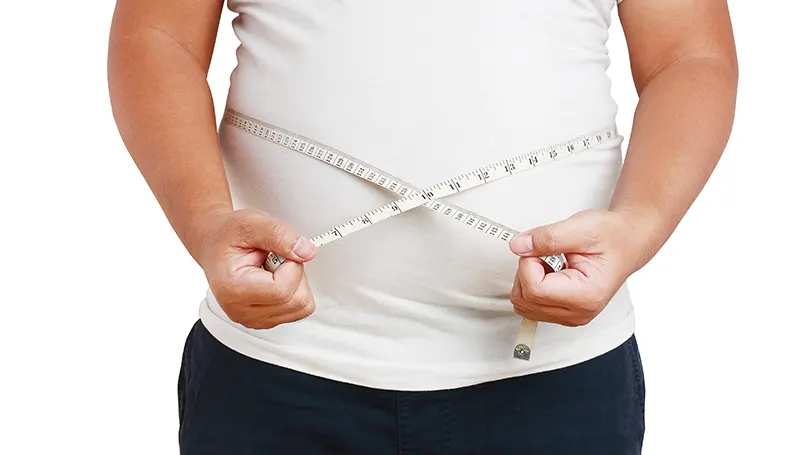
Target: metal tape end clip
522, 352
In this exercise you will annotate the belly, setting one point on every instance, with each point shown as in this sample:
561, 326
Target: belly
419, 257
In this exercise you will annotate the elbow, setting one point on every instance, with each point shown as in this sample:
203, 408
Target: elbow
723, 65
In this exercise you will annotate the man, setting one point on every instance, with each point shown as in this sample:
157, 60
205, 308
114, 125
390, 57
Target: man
409, 349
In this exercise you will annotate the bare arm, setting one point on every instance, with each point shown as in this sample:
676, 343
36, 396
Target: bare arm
159, 56
684, 65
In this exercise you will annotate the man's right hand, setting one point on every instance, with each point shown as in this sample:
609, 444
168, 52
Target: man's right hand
231, 246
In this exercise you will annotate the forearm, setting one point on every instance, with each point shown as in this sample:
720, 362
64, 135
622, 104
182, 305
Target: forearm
163, 107
681, 126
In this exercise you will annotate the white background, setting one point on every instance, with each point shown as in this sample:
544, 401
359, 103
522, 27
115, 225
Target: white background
98, 294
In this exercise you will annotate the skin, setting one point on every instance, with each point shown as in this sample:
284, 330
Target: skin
684, 66
685, 69
167, 121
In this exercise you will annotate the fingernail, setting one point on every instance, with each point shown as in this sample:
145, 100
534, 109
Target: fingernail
522, 244
304, 248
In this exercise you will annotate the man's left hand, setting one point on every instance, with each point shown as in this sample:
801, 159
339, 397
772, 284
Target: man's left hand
602, 248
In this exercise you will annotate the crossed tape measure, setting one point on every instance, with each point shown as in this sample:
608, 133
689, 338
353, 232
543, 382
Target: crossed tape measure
411, 197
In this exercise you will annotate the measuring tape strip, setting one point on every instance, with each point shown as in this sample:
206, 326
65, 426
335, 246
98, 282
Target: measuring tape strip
412, 197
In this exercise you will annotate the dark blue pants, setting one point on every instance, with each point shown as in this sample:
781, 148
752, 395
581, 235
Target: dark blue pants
231, 404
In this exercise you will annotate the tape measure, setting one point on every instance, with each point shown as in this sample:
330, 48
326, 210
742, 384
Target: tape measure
411, 197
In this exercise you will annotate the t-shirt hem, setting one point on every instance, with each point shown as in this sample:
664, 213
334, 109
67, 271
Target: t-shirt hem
390, 376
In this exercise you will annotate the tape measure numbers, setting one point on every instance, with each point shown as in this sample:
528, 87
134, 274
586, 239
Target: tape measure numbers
412, 197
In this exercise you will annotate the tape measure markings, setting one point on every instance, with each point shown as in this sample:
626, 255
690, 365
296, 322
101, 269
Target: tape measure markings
411, 197
369, 173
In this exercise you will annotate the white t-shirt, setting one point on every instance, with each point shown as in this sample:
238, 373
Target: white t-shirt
425, 90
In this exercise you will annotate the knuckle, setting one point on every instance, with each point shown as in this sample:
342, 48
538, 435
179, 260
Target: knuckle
282, 294
308, 308
230, 295
516, 295
280, 236
520, 310
244, 227
231, 289
217, 287
240, 314
303, 301
276, 229
583, 317
223, 290
545, 238
595, 236
293, 313
236, 314
249, 221
251, 215
603, 224
532, 291
595, 297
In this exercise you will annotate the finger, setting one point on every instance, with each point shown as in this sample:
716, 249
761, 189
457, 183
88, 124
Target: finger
516, 289
262, 231
303, 295
530, 274
295, 312
302, 303
566, 288
257, 316
256, 286
549, 314
572, 235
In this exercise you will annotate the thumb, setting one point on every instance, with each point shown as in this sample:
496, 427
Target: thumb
567, 236
269, 234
